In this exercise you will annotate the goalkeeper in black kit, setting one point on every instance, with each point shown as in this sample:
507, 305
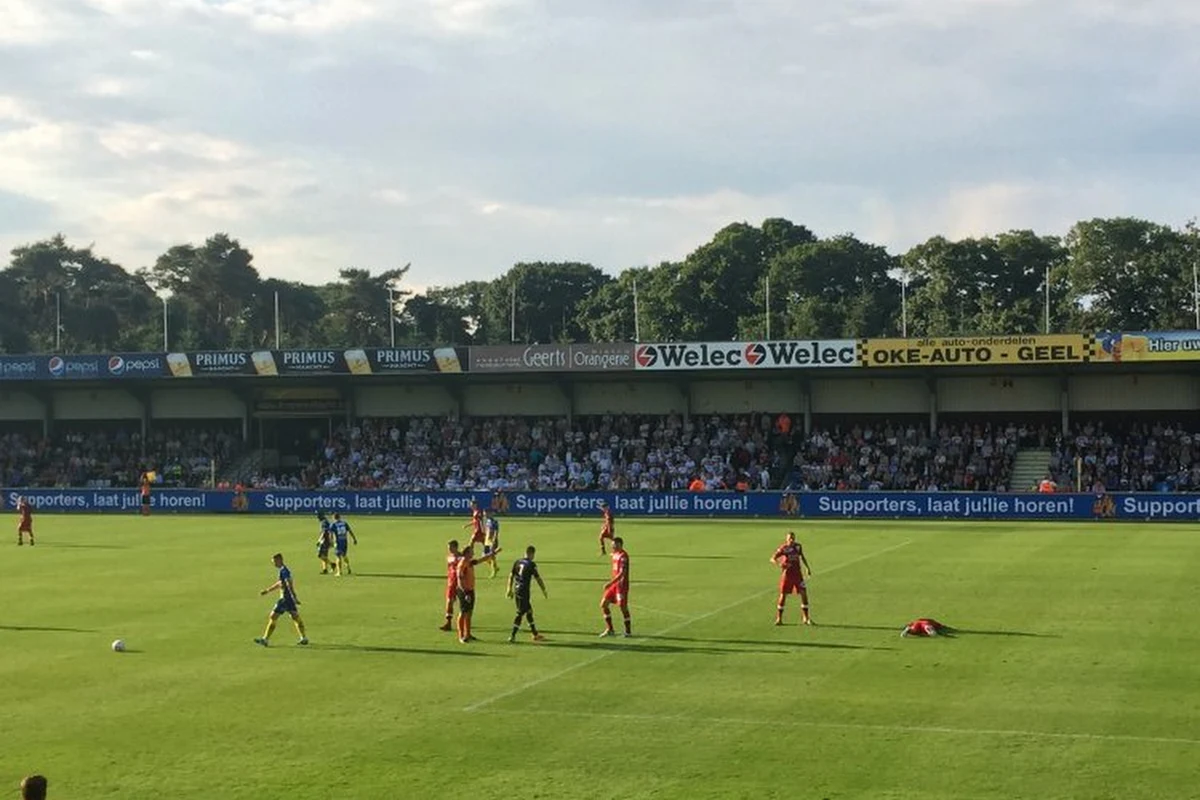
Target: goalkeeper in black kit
520, 586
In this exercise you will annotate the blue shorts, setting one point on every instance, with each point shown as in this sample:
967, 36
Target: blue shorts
284, 605
488, 549
342, 548
322, 550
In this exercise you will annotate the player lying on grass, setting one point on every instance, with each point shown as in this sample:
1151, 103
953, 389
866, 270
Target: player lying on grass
287, 603
927, 627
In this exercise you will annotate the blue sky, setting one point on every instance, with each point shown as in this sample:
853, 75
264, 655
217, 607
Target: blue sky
465, 135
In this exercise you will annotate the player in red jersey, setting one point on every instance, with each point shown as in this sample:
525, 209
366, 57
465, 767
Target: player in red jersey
452, 559
606, 526
478, 535
617, 589
926, 627
25, 525
790, 558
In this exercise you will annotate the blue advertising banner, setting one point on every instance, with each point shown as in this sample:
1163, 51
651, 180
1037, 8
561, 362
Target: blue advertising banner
82, 367
815, 505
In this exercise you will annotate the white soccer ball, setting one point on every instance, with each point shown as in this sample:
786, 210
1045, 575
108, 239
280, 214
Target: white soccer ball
119, 646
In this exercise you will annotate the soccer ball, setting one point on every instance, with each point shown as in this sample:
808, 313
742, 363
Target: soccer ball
118, 646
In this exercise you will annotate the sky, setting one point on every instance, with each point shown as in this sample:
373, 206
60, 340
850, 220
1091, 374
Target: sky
462, 136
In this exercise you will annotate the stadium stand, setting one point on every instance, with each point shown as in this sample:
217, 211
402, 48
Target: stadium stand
103, 456
1133, 457
744, 453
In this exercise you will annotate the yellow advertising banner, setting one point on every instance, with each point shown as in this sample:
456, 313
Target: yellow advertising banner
976, 351
1116, 348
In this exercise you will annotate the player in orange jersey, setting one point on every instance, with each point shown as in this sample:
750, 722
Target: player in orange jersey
452, 559
466, 590
926, 627
617, 589
25, 523
478, 534
145, 493
790, 558
606, 526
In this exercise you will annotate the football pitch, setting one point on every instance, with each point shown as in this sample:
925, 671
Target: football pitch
1074, 674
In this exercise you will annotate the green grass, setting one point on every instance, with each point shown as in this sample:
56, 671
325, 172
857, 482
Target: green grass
1076, 678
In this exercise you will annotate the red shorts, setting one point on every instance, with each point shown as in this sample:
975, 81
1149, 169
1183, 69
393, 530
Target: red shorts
25, 527
791, 585
477, 537
606, 533
616, 594
451, 591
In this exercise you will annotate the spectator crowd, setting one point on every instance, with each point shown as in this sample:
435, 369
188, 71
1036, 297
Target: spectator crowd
104, 457
628, 453
1133, 457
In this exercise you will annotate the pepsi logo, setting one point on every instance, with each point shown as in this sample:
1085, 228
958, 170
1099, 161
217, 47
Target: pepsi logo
755, 354
116, 365
646, 356
57, 367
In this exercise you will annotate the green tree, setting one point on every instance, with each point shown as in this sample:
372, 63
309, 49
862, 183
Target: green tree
358, 307
1129, 274
607, 315
837, 287
215, 293
546, 297
102, 307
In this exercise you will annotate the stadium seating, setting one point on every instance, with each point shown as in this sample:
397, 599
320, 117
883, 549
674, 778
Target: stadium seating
638, 453
1133, 457
100, 457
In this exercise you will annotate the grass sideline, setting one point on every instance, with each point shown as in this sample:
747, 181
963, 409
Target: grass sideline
1074, 678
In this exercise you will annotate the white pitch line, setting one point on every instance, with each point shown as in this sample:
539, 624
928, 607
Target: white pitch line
669, 629
862, 726
646, 610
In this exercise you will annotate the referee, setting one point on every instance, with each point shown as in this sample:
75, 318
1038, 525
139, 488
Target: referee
520, 581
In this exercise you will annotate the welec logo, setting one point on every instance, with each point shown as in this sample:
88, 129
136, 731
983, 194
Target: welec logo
755, 354
646, 355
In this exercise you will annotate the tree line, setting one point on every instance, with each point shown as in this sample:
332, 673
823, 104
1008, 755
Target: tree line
777, 277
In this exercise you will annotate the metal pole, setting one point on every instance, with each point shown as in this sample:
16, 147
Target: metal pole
637, 325
392, 316
277, 332
767, 307
58, 320
1196, 293
166, 341
1047, 299
513, 314
904, 306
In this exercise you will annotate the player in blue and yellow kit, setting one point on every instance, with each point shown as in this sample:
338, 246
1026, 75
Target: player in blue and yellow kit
286, 604
324, 542
491, 541
342, 532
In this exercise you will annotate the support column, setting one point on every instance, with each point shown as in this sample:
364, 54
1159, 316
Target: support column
933, 406
806, 408
1066, 405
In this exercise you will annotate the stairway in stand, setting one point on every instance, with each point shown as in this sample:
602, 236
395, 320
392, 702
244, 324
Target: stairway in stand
1029, 467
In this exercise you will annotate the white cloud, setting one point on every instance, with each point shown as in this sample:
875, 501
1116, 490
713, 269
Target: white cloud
464, 135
